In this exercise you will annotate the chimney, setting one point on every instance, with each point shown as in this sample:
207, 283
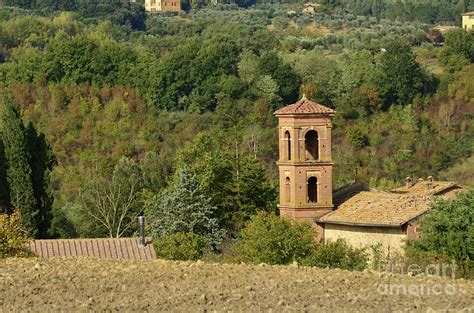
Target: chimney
141, 225
429, 184
408, 181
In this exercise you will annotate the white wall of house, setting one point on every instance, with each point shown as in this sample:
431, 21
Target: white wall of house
392, 239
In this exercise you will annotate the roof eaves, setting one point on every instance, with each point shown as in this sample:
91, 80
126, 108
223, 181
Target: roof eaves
360, 224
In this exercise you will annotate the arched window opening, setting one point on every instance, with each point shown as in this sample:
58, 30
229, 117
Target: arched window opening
288, 146
312, 190
311, 145
287, 190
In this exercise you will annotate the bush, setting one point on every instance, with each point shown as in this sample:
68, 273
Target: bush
180, 246
338, 254
356, 137
448, 231
273, 240
13, 237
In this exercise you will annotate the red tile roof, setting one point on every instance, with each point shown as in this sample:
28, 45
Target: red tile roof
388, 209
378, 209
103, 248
305, 106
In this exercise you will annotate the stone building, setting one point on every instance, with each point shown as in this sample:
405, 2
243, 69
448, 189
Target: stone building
163, 5
355, 213
468, 20
371, 217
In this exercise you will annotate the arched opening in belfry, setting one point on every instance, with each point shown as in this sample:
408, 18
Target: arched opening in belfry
312, 145
287, 190
312, 190
288, 146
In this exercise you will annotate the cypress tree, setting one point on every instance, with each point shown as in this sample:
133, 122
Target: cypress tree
18, 171
4, 189
41, 162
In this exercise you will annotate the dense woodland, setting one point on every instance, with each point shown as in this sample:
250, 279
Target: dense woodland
107, 113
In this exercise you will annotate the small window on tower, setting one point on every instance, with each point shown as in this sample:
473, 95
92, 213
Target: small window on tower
287, 190
312, 190
312, 145
287, 146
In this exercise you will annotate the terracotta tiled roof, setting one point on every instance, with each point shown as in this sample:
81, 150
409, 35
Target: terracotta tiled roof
468, 14
388, 209
305, 106
104, 248
421, 188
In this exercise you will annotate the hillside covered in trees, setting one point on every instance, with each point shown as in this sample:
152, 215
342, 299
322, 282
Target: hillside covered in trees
107, 112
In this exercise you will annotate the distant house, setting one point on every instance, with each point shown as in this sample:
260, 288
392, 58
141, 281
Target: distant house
310, 8
388, 218
468, 20
163, 5
103, 248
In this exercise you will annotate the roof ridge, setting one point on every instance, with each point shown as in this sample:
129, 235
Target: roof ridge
305, 106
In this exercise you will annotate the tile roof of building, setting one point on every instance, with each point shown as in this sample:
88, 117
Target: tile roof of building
421, 188
388, 209
468, 14
305, 106
104, 248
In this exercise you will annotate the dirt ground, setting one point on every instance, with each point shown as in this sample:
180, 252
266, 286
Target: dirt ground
100, 285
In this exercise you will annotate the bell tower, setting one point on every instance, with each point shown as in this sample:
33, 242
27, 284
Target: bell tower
305, 162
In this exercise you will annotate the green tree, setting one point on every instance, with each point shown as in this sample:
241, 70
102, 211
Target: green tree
19, 174
399, 76
285, 76
42, 162
184, 208
235, 181
4, 188
458, 46
448, 228
267, 238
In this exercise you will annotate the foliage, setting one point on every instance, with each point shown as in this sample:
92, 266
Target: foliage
235, 181
400, 77
18, 170
184, 208
180, 246
356, 137
115, 204
13, 237
338, 254
448, 228
99, 89
267, 238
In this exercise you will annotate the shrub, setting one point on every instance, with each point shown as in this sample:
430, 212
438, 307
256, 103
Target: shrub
180, 246
13, 237
338, 254
273, 240
448, 230
356, 137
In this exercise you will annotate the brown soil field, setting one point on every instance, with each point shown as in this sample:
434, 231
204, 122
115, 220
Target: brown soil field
81, 284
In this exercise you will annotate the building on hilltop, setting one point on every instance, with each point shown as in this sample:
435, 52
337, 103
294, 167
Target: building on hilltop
355, 213
468, 20
163, 5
